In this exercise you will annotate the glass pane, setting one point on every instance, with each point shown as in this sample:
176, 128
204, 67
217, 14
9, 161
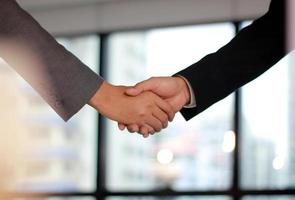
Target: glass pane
171, 198
199, 151
274, 197
40, 152
268, 129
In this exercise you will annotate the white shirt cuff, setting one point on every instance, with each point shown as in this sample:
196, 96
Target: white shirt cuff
192, 103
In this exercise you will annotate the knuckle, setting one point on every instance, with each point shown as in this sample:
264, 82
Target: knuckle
142, 113
147, 108
150, 106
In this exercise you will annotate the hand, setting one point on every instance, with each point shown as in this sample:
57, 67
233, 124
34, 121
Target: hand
173, 90
146, 109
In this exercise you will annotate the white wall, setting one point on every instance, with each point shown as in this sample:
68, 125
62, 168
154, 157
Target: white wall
111, 15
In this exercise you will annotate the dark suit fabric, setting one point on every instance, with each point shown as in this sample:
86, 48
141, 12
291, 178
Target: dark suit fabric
253, 51
64, 82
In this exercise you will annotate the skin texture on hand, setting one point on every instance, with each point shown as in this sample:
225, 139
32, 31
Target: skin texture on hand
145, 109
173, 90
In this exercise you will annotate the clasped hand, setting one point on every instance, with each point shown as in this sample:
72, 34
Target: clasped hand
145, 108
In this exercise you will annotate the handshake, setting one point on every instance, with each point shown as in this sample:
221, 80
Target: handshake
145, 108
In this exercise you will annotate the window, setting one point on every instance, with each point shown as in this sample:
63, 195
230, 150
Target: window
42, 153
168, 198
58, 198
283, 197
241, 148
267, 130
186, 155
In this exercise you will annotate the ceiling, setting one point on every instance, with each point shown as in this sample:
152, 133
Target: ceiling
44, 4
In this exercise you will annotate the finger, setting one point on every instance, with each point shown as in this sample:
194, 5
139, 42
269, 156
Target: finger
144, 131
155, 123
132, 128
149, 84
162, 116
166, 107
151, 131
121, 126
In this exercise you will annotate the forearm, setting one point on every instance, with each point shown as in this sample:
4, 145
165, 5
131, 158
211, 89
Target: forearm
102, 99
253, 51
58, 76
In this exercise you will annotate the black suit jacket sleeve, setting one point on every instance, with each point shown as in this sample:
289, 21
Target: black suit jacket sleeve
254, 50
58, 76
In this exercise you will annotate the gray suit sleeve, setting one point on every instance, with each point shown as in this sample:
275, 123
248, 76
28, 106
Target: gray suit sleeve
62, 80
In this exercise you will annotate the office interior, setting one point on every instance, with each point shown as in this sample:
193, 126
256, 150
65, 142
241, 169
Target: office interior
239, 149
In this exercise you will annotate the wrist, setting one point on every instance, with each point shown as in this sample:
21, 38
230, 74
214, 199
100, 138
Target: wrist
185, 92
101, 97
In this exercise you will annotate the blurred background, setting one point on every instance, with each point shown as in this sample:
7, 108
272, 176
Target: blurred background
240, 148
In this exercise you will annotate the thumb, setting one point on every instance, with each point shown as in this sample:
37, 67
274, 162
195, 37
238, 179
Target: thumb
133, 91
146, 85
